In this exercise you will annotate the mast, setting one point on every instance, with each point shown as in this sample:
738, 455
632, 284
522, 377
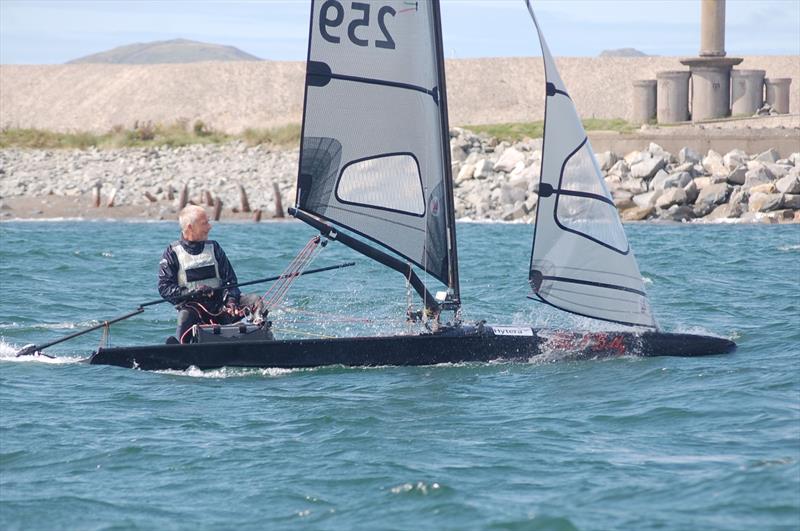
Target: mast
454, 298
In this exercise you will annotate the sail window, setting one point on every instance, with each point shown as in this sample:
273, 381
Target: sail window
391, 182
589, 211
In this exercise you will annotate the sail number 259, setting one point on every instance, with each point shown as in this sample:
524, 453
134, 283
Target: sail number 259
331, 15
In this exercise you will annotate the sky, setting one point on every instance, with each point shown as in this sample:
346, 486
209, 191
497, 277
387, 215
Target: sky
56, 31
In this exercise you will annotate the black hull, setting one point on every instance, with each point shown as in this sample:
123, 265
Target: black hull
458, 345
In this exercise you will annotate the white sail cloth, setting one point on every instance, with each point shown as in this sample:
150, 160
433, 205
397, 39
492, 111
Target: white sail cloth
581, 261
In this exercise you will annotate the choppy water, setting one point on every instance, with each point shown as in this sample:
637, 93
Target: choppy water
660, 443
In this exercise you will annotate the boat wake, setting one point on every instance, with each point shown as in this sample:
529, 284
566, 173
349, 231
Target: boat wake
8, 352
231, 372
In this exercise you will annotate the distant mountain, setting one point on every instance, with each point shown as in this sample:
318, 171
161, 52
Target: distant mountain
623, 52
174, 51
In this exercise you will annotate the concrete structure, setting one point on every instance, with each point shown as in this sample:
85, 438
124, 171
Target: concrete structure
673, 96
711, 71
747, 91
778, 93
644, 101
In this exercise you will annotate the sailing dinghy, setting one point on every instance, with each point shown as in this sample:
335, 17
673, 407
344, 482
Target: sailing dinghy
375, 175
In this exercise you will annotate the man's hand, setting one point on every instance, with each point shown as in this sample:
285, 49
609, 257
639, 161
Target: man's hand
233, 309
203, 292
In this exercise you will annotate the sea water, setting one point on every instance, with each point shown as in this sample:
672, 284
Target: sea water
628, 443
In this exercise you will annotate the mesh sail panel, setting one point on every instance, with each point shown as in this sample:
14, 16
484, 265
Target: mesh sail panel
581, 261
371, 155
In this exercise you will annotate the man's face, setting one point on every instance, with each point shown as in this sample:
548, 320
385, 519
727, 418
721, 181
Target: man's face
198, 231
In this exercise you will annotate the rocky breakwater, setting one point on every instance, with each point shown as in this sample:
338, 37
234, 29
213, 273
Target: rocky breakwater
493, 181
498, 180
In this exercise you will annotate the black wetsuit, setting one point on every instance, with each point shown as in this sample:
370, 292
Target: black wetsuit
201, 310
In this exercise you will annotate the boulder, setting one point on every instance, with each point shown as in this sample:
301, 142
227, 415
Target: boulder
688, 155
756, 176
634, 186
637, 213
778, 170
771, 155
734, 158
677, 213
714, 194
458, 152
647, 199
635, 156
691, 192
766, 188
738, 196
465, 173
606, 160
623, 199
510, 195
726, 211
713, 163
520, 181
788, 185
702, 182
516, 212
791, 201
483, 169
620, 168
509, 158
647, 168
670, 197
737, 175
761, 202
664, 180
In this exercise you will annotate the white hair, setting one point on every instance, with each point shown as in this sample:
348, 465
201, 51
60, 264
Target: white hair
189, 215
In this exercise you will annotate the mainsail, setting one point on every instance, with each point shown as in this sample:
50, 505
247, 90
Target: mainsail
374, 156
581, 261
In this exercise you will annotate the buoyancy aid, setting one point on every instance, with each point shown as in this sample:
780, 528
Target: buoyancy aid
197, 269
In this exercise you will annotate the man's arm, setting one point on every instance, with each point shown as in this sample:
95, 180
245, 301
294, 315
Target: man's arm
168, 286
227, 274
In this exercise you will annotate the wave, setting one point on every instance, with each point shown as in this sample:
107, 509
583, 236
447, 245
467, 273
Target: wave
8, 352
230, 372
792, 247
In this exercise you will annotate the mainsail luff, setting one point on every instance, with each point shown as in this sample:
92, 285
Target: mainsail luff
580, 258
374, 153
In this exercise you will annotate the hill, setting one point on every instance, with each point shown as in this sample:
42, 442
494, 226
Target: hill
164, 52
623, 52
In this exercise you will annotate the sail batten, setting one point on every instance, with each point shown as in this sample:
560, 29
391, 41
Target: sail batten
375, 141
581, 261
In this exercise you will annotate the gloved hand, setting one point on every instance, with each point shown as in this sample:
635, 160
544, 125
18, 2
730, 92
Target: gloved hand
203, 292
233, 308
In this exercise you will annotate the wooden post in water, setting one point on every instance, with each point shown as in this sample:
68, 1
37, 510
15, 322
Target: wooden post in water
209, 198
96, 194
184, 197
170, 193
276, 191
257, 215
243, 199
150, 197
217, 208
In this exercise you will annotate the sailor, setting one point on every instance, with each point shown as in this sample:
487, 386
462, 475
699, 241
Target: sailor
196, 265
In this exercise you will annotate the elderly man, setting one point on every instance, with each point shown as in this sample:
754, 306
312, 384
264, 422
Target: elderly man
194, 264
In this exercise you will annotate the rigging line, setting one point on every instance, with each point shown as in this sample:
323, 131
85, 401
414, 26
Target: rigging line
290, 271
304, 259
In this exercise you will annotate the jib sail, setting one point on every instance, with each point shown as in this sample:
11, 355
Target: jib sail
581, 261
374, 155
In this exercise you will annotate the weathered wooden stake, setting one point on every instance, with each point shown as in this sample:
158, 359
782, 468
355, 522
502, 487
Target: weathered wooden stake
96, 195
111, 197
276, 191
150, 197
170, 193
257, 215
217, 209
209, 198
184, 197
243, 199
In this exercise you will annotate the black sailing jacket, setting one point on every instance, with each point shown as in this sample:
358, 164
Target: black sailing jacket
168, 267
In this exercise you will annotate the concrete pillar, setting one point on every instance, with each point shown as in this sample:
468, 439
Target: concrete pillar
673, 96
712, 28
747, 92
711, 92
644, 100
778, 93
